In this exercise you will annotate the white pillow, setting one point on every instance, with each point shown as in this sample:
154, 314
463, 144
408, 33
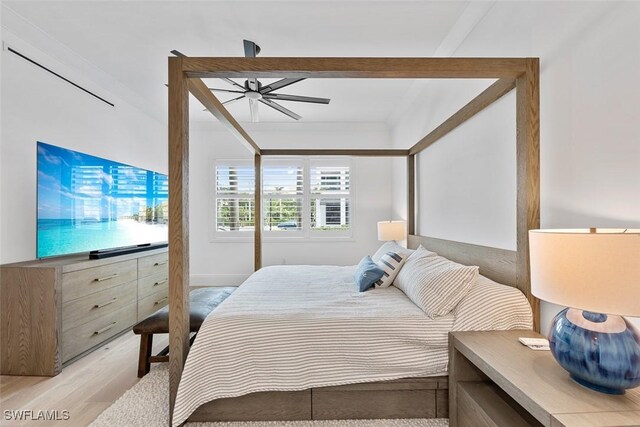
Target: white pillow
391, 246
434, 283
391, 263
421, 252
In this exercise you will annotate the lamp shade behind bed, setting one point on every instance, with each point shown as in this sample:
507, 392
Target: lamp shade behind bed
392, 230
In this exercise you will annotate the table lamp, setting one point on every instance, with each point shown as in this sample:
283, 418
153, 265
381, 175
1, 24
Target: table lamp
392, 230
596, 274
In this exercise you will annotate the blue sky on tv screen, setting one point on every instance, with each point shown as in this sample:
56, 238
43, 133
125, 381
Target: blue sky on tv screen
87, 202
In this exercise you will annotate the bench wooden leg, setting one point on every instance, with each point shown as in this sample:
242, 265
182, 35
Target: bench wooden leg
144, 360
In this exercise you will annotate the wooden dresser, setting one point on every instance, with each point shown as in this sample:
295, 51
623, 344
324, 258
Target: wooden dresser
55, 310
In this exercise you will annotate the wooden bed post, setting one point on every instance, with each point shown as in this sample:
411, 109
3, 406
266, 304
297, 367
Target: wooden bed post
528, 174
178, 225
257, 241
411, 194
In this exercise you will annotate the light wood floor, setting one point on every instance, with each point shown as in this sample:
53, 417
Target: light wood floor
85, 388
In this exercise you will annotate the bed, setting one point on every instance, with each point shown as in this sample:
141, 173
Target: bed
379, 399
301, 328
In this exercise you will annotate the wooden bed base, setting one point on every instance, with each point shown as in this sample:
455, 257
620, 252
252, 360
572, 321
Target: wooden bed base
404, 398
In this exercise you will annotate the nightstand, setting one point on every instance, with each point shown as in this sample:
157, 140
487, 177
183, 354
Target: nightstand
496, 381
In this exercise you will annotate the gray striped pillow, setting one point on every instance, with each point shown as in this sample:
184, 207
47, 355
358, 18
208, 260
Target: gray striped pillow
391, 263
434, 283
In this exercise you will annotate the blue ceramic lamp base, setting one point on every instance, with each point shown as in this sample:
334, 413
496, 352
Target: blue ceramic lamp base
601, 352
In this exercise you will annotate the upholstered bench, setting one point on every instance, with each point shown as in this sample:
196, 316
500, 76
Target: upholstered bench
201, 302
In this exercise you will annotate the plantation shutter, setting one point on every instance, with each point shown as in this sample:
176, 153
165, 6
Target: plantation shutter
330, 196
283, 196
235, 189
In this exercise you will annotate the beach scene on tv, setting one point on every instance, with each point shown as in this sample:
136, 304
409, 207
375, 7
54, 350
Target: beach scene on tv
88, 203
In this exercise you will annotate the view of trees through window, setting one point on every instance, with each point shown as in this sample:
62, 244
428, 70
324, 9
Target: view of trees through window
299, 196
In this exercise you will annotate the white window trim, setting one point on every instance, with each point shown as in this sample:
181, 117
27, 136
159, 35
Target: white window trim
307, 235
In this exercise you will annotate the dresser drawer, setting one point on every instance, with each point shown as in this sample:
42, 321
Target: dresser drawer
77, 284
153, 284
85, 309
83, 337
154, 264
150, 304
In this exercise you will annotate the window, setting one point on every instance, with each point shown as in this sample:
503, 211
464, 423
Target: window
283, 196
301, 197
234, 201
330, 197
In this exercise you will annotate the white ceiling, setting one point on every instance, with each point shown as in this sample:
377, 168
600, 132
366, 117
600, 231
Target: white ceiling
131, 40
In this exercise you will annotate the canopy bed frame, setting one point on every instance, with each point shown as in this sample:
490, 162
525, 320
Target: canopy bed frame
508, 267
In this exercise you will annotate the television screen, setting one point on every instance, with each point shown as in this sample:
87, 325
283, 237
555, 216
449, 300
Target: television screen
88, 203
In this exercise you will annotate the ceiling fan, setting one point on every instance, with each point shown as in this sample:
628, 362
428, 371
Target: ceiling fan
256, 93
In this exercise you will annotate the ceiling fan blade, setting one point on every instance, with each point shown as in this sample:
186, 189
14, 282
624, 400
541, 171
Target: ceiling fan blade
215, 89
230, 101
253, 104
283, 97
279, 84
231, 82
280, 108
251, 50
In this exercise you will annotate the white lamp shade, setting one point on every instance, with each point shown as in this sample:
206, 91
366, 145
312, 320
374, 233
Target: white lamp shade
392, 230
596, 270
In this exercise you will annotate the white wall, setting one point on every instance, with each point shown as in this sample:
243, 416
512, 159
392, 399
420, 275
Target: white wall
222, 262
37, 106
590, 104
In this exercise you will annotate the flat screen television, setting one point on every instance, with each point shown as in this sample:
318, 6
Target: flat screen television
87, 203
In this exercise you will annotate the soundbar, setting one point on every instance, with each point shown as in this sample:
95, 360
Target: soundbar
107, 253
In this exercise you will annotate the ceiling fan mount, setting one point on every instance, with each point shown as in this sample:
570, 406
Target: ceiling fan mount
257, 93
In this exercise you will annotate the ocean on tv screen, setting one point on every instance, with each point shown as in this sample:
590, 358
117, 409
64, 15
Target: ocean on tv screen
89, 203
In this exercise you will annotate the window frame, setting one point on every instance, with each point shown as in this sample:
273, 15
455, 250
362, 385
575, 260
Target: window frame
306, 234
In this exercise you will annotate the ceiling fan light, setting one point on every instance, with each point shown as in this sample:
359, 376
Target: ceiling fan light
253, 95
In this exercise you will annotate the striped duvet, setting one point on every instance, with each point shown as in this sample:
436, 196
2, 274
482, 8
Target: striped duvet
297, 327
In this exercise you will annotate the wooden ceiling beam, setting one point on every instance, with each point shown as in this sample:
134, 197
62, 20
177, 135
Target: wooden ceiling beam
415, 68
335, 152
211, 103
477, 104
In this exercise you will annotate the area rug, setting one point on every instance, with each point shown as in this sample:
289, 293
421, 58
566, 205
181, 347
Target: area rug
146, 404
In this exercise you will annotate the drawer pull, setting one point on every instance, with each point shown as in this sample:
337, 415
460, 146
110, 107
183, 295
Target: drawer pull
160, 263
105, 329
106, 303
161, 282
102, 279
160, 301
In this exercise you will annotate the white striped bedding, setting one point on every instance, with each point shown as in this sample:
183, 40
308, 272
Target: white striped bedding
297, 327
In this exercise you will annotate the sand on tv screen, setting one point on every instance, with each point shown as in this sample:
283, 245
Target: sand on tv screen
88, 203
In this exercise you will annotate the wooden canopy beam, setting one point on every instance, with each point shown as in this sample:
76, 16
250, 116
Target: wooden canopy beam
334, 152
413, 68
477, 104
211, 103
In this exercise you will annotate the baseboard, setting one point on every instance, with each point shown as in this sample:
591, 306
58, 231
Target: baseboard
198, 280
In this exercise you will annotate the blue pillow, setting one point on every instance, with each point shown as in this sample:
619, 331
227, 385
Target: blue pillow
367, 273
